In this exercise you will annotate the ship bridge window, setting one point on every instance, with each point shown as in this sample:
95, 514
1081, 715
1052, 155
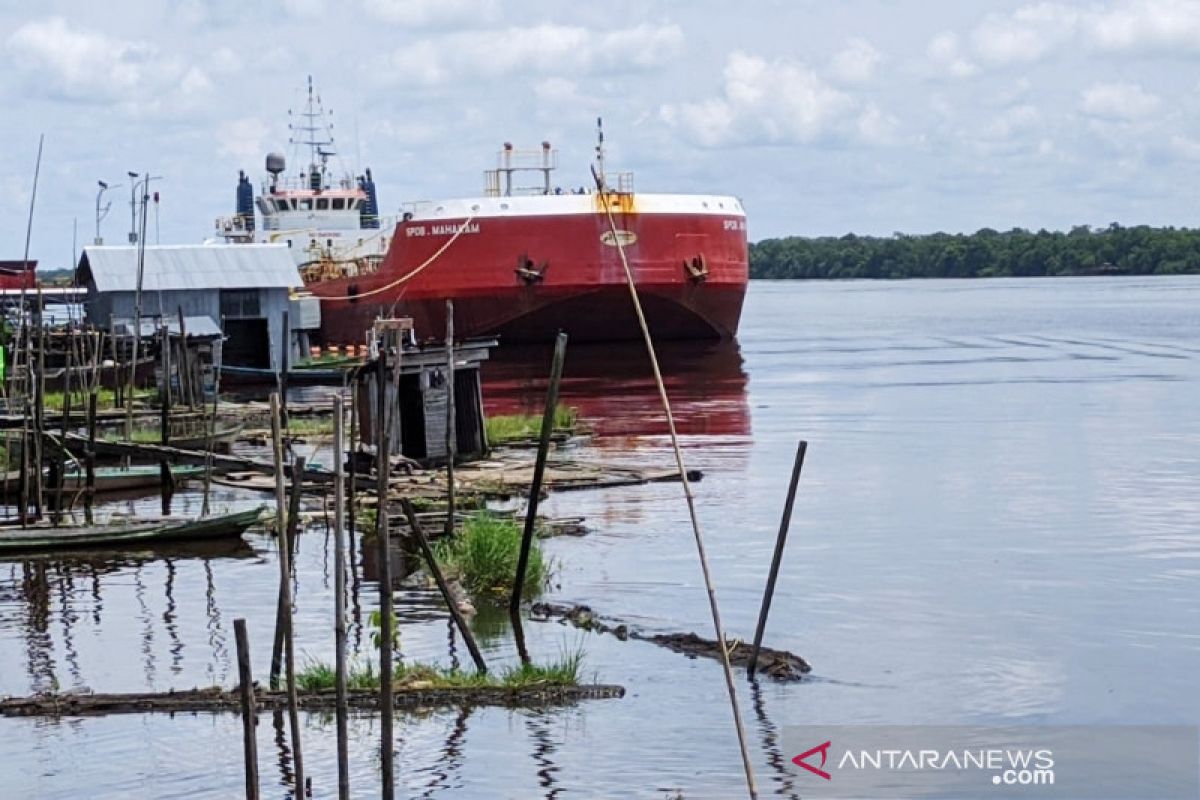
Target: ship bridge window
322, 204
351, 204
304, 204
338, 203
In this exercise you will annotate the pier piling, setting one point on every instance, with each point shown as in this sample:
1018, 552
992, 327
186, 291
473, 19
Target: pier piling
339, 596
249, 717
535, 490
780, 541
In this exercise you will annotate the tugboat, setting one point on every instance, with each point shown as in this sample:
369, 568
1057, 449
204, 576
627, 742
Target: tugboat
522, 261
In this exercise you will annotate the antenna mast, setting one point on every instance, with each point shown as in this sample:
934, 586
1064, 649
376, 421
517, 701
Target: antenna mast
600, 154
314, 132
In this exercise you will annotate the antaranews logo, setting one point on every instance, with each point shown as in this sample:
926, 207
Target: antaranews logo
995, 763
823, 749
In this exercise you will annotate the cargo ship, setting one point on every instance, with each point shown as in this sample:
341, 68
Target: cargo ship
521, 261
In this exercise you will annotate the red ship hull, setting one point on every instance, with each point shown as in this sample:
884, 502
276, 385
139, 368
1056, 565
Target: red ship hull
553, 264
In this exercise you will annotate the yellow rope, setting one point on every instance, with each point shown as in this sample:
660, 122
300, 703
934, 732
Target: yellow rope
687, 493
409, 276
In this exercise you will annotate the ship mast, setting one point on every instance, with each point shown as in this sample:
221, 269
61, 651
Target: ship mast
600, 154
311, 130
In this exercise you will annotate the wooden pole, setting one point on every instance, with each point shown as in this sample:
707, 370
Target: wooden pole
39, 413
89, 496
386, 621
438, 578
451, 419
780, 541
535, 490
164, 466
285, 352
281, 607
285, 583
218, 356
249, 717
339, 596
353, 451
187, 389
60, 453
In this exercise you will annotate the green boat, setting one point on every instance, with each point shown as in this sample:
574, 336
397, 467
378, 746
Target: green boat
136, 533
118, 479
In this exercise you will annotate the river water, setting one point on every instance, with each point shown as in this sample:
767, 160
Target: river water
998, 522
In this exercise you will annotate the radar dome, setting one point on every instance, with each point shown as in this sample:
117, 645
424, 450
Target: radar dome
276, 163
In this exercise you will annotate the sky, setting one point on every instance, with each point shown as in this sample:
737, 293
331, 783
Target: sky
864, 116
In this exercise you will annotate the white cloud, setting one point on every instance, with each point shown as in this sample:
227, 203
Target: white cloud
945, 51
92, 66
556, 90
547, 48
243, 141
1119, 101
424, 13
1026, 35
1036, 31
856, 63
1147, 25
778, 101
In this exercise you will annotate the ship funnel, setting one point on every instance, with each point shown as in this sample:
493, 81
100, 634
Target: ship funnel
245, 202
368, 215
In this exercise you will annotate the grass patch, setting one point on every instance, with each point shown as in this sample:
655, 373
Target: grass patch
105, 398
483, 557
310, 426
506, 428
317, 676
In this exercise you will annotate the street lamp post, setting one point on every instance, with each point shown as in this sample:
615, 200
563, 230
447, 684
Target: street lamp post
101, 213
133, 183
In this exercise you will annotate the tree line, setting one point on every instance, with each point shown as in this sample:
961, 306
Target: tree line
1140, 250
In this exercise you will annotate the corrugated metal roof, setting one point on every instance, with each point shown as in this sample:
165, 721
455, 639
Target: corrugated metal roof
183, 267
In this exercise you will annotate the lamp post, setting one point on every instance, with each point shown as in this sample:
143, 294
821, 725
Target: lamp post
133, 183
101, 213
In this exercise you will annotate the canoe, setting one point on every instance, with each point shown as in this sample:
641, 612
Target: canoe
117, 479
259, 376
120, 535
195, 438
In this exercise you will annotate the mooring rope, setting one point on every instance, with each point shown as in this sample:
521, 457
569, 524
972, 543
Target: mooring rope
687, 492
409, 276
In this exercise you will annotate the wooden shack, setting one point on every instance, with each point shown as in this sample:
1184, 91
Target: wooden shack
420, 394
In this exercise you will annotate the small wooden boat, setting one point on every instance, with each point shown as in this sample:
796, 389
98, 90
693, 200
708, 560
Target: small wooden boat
190, 437
119, 479
136, 533
316, 375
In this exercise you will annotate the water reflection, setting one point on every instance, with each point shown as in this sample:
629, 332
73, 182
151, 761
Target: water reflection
613, 387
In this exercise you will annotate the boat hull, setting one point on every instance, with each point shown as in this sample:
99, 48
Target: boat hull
549, 264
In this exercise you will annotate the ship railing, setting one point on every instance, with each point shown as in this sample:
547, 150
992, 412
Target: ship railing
300, 184
234, 227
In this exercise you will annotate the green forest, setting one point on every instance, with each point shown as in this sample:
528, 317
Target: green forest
1114, 250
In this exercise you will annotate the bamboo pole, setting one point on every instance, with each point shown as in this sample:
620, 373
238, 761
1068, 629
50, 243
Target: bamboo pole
339, 597
697, 534
440, 580
780, 541
451, 419
249, 717
89, 497
218, 358
386, 619
164, 466
187, 388
535, 490
353, 450
285, 583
